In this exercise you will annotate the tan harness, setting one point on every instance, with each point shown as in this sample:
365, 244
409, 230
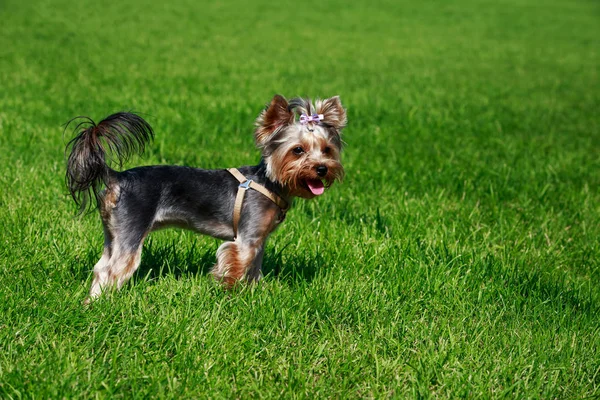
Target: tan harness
246, 184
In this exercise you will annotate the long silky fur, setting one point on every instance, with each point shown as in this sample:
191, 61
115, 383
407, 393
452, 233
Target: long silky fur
301, 105
115, 138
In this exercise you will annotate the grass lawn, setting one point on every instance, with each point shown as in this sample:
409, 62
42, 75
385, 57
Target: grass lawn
459, 258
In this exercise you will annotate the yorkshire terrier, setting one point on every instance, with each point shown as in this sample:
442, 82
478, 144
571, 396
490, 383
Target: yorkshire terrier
300, 144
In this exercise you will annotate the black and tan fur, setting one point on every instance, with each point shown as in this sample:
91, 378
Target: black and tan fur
133, 203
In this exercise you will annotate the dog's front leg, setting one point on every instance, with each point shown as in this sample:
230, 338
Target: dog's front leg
254, 273
238, 259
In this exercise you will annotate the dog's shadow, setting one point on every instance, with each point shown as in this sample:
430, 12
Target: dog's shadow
159, 260
171, 259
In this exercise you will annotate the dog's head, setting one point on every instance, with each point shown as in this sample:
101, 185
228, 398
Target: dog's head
301, 143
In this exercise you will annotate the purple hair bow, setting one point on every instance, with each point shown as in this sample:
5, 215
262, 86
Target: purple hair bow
305, 119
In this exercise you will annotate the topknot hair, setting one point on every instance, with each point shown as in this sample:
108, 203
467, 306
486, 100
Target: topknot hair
301, 105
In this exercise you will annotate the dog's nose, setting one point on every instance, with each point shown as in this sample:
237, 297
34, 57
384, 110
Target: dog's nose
321, 170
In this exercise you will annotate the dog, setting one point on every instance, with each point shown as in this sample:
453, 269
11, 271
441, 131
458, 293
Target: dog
300, 144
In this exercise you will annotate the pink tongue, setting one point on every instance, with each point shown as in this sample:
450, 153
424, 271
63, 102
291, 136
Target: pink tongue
316, 186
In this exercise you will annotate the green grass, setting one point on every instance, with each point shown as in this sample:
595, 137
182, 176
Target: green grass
460, 257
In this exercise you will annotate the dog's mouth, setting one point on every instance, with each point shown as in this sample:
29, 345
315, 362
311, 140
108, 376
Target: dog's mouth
316, 186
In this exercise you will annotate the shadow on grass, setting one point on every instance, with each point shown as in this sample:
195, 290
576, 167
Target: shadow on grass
291, 268
173, 259
179, 261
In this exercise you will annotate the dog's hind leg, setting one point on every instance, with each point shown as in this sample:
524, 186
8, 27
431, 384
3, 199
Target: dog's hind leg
124, 238
124, 262
114, 273
127, 250
101, 267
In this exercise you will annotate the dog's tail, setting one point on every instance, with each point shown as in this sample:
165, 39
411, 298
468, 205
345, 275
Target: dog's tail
118, 136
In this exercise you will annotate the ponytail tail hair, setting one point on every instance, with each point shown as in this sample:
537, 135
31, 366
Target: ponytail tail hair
115, 138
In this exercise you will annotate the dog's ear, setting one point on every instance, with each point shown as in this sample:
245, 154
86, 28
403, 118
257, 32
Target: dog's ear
275, 116
333, 112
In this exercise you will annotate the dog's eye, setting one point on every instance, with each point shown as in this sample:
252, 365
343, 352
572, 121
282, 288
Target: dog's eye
327, 150
298, 150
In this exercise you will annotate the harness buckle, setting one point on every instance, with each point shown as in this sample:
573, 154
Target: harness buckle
246, 184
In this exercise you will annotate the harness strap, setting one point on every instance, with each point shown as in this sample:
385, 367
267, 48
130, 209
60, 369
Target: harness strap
246, 184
